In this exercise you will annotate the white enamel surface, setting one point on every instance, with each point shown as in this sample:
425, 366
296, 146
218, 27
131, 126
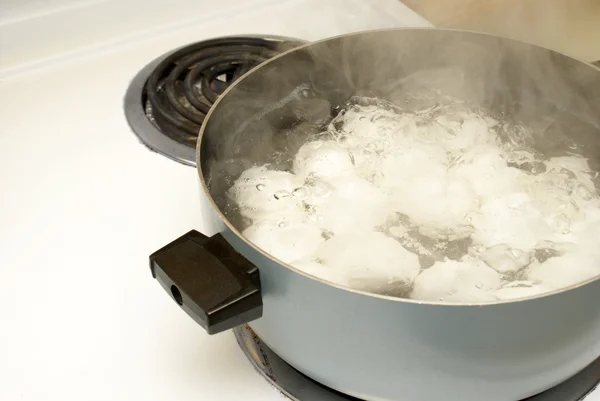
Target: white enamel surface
72, 29
83, 204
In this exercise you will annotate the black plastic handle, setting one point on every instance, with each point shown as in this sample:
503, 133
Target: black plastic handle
215, 285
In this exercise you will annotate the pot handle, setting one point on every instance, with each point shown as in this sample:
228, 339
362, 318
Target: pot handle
215, 285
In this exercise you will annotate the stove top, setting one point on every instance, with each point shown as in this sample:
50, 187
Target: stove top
168, 100
299, 387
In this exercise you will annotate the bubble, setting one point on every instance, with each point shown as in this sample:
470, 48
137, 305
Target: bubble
281, 194
327, 234
301, 192
260, 187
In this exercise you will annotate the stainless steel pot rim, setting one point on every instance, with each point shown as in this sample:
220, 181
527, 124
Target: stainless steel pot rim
333, 284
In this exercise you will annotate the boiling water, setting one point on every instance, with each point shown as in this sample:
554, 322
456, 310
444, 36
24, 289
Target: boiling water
442, 204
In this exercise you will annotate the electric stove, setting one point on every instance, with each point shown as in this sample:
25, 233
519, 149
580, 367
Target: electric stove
165, 106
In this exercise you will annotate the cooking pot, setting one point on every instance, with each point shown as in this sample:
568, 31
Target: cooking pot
374, 346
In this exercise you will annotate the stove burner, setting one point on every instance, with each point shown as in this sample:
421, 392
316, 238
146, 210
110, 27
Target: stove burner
298, 387
168, 100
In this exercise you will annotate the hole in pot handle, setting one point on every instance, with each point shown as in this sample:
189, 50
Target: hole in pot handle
215, 285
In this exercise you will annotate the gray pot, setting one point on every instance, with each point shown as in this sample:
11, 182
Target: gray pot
377, 347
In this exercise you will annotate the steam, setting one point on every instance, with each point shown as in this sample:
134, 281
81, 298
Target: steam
271, 113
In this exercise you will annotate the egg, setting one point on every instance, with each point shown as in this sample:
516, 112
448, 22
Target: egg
321, 271
436, 202
353, 204
260, 191
487, 172
466, 280
368, 256
286, 241
565, 270
509, 220
322, 159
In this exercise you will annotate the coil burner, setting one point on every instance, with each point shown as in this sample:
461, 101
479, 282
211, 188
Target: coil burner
168, 100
